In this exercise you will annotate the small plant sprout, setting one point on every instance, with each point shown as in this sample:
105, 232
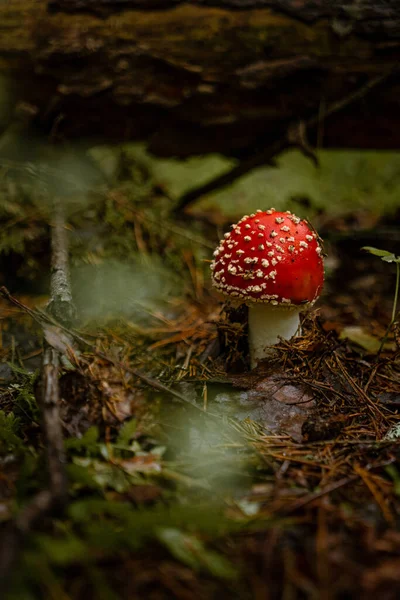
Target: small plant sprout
388, 257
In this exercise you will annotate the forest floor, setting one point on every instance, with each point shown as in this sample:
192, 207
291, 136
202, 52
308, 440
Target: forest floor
281, 482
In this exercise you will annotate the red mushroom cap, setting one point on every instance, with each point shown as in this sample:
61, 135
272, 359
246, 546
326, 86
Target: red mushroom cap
270, 257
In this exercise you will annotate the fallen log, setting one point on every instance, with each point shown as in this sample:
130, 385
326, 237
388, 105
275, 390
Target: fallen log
204, 75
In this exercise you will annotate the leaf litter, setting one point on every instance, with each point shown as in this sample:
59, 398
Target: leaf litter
284, 481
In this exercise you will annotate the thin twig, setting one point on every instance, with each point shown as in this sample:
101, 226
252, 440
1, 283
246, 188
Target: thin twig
46, 501
288, 139
48, 393
333, 487
394, 312
61, 305
48, 398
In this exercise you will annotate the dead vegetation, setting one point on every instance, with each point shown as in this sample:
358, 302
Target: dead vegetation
190, 476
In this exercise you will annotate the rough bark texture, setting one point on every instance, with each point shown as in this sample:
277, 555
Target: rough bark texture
204, 75
61, 305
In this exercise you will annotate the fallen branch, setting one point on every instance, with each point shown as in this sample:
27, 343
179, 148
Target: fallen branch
46, 501
293, 137
48, 400
60, 305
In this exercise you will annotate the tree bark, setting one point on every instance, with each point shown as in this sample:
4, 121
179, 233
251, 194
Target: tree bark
203, 75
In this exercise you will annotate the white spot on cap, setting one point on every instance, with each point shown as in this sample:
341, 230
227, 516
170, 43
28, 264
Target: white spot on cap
247, 238
303, 244
259, 273
239, 252
261, 247
285, 228
247, 226
265, 262
309, 238
273, 234
279, 220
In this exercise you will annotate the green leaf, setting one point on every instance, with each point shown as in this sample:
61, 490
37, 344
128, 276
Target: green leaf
392, 258
103, 474
192, 552
96, 508
109, 476
394, 474
376, 251
81, 476
383, 254
358, 336
64, 550
9, 440
87, 442
127, 432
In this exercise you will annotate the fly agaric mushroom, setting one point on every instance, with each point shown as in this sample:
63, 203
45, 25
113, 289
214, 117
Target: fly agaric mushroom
272, 261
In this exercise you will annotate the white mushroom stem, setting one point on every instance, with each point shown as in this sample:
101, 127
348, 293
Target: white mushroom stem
269, 323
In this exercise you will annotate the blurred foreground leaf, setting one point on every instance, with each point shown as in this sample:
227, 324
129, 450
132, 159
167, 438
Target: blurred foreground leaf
358, 336
9, 440
192, 552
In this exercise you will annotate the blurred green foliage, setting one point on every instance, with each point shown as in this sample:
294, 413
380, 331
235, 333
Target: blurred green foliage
345, 181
